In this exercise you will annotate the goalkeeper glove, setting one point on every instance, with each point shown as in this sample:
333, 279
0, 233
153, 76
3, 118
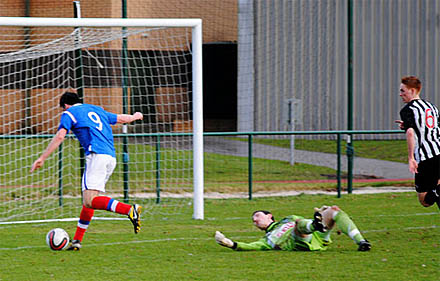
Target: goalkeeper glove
322, 217
317, 222
223, 241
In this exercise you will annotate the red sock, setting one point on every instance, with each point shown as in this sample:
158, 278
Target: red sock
84, 220
110, 204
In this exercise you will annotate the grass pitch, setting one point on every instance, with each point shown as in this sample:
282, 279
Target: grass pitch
404, 235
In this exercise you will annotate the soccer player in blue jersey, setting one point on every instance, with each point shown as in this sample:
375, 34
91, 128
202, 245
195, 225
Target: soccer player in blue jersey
295, 233
91, 125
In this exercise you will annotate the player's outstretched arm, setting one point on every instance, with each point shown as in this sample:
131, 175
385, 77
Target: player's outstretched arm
55, 142
221, 239
260, 245
128, 118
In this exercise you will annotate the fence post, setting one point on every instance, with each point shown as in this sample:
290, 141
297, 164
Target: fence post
250, 165
350, 149
338, 171
158, 169
60, 175
350, 156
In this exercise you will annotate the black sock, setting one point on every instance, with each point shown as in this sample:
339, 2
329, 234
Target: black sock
437, 191
431, 197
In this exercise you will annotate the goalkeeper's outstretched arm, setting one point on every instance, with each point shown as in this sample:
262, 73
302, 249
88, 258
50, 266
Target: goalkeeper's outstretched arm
221, 239
259, 245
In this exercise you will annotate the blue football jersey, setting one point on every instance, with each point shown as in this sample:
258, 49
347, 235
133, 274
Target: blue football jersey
91, 125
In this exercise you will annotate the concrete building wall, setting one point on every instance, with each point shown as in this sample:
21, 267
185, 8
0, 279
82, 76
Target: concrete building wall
300, 51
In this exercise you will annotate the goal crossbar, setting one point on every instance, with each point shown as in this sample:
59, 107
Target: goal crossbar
97, 22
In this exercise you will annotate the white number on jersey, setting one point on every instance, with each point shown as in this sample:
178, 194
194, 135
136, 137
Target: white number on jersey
95, 118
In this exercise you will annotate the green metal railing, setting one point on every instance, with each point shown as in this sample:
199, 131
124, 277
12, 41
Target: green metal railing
350, 149
250, 136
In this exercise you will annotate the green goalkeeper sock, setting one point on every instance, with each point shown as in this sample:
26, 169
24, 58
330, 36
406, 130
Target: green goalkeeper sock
304, 226
347, 226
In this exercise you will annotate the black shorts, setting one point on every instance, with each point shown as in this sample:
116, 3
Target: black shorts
428, 174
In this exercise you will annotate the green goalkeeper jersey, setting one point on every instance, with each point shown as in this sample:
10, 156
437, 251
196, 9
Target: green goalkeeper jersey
281, 236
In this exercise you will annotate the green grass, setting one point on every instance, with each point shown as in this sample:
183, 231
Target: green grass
229, 168
391, 150
404, 236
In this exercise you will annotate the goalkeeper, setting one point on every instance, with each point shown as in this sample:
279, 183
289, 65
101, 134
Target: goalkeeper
295, 233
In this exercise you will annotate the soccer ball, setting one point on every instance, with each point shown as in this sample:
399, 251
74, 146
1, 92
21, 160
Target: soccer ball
57, 239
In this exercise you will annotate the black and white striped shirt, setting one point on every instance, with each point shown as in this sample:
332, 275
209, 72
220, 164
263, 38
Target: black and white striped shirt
423, 117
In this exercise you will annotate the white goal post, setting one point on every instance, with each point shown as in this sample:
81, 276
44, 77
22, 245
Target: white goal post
107, 29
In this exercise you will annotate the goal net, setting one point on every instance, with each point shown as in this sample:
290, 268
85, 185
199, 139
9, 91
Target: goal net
124, 66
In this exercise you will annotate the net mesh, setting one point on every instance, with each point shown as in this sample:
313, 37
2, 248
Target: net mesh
123, 70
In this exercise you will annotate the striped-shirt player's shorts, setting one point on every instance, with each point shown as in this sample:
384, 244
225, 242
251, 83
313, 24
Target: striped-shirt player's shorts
428, 174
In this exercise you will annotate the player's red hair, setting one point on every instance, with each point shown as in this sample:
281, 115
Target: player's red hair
412, 82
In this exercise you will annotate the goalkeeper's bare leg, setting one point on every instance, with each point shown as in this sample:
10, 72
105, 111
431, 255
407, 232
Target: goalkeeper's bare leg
334, 215
325, 219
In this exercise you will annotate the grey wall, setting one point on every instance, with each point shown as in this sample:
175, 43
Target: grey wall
299, 50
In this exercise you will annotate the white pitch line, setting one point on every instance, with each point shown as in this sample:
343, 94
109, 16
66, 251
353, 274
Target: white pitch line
206, 238
59, 220
41, 222
406, 228
394, 215
403, 215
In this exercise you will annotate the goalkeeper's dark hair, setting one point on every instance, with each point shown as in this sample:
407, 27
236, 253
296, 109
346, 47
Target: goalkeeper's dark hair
69, 98
264, 212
